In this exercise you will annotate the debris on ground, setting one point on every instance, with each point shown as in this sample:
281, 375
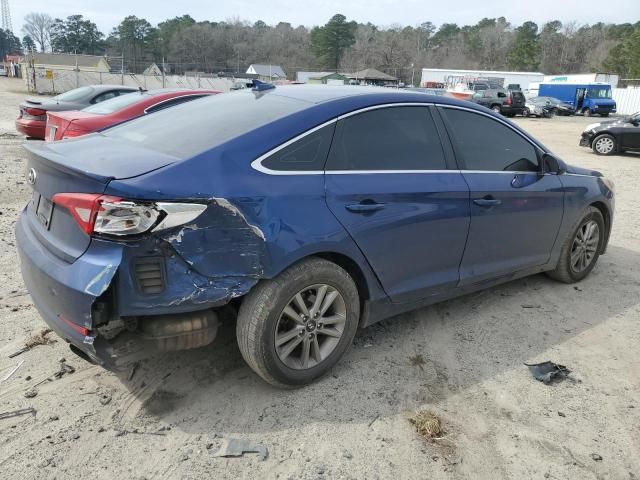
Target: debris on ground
17, 413
417, 360
40, 338
546, 372
32, 392
531, 305
105, 398
64, 369
427, 424
596, 457
237, 447
14, 370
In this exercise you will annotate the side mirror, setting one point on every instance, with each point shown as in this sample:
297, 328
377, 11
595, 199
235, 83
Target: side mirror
553, 164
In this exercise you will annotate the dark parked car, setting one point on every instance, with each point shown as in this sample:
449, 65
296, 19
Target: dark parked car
314, 211
506, 102
539, 108
613, 136
561, 108
32, 118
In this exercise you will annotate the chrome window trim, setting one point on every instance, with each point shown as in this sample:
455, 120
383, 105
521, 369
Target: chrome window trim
257, 163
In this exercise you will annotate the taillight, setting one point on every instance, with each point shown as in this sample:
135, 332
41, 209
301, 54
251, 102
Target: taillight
108, 215
36, 112
74, 130
509, 101
31, 113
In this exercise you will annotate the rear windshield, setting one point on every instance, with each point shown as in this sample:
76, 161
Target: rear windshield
115, 104
73, 95
194, 127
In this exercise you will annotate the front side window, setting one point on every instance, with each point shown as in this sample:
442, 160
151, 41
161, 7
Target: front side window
600, 92
393, 138
483, 143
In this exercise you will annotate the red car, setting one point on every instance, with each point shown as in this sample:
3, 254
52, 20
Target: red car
32, 118
74, 123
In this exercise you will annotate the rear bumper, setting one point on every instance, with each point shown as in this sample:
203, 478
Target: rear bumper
64, 293
31, 128
510, 110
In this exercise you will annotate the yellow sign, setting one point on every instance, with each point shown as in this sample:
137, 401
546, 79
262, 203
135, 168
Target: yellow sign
48, 74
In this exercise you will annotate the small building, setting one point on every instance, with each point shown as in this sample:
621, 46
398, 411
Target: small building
69, 61
267, 73
303, 77
156, 70
371, 76
330, 78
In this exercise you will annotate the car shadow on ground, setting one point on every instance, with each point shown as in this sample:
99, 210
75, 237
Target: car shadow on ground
394, 366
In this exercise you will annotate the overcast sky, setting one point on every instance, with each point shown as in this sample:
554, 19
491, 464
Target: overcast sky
108, 13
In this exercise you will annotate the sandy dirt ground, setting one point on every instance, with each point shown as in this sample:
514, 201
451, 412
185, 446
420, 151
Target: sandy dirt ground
462, 359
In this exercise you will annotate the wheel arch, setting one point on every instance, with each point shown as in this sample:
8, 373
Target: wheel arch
606, 214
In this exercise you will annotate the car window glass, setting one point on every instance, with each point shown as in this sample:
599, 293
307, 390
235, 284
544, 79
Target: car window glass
189, 129
486, 144
73, 95
307, 154
397, 138
115, 104
105, 96
171, 103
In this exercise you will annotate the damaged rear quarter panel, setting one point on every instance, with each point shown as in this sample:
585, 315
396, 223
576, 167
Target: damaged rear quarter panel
255, 226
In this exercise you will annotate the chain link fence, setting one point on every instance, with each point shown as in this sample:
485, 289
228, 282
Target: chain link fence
54, 81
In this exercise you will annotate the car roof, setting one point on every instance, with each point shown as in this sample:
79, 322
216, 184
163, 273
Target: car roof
319, 94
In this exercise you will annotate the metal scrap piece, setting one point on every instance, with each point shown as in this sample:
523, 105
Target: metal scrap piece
236, 447
17, 413
546, 372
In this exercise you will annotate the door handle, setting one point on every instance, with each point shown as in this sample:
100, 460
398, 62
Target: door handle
487, 201
365, 207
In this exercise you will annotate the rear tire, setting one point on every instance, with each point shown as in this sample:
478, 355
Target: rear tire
586, 112
275, 338
526, 112
581, 249
604, 144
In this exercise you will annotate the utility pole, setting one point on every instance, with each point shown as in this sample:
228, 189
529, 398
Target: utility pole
6, 17
122, 69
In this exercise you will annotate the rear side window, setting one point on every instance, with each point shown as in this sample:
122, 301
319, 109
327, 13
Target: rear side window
485, 144
307, 154
394, 138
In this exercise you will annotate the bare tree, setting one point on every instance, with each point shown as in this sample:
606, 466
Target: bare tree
38, 27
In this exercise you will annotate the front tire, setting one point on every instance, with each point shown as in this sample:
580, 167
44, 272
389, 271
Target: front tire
581, 250
604, 144
496, 108
295, 327
587, 112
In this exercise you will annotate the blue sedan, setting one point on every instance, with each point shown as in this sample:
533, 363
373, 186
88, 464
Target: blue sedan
302, 213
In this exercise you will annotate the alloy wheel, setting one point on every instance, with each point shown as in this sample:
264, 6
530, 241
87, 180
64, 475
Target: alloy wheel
585, 246
604, 145
310, 326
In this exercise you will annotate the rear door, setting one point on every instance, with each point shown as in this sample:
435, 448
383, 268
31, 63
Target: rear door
388, 183
516, 209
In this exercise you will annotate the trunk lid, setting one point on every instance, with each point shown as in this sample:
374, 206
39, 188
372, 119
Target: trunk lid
58, 123
518, 99
68, 167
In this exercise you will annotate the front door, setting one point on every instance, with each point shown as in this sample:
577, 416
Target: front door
388, 184
630, 137
516, 210
579, 98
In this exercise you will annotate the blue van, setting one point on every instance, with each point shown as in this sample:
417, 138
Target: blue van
588, 98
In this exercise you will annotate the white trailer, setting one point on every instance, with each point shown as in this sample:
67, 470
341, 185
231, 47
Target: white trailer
431, 76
